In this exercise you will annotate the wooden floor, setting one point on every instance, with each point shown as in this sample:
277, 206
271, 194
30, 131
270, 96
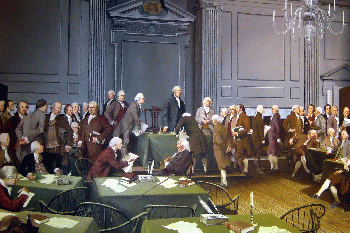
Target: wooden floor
277, 193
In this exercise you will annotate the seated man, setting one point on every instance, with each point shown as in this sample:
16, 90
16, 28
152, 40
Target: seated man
179, 163
7, 155
109, 158
330, 143
40, 162
5, 195
339, 178
301, 143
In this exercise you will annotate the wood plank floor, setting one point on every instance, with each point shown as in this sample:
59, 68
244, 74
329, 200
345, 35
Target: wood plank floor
277, 193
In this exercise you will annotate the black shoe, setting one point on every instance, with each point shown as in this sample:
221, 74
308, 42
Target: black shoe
314, 196
334, 204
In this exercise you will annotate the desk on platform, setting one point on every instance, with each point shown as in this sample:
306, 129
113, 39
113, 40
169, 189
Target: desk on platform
84, 225
44, 192
158, 146
267, 220
134, 199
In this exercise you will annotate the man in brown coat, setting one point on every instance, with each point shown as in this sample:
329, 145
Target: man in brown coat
7, 155
293, 124
242, 138
94, 132
258, 138
302, 142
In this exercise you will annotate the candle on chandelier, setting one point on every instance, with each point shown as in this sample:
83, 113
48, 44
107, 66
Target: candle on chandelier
291, 9
329, 9
285, 4
273, 15
343, 18
334, 6
299, 17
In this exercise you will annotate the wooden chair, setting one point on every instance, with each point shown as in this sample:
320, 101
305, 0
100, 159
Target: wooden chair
220, 199
83, 166
155, 111
306, 218
108, 218
66, 202
134, 225
169, 211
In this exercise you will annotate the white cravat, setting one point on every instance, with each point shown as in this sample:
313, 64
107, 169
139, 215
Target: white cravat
7, 157
69, 119
122, 104
109, 102
206, 109
306, 142
90, 118
77, 116
52, 117
178, 101
36, 157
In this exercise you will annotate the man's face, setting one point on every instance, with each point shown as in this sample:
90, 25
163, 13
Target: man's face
6, 141
110, 95
313, 135
22, 108
11, 106
301, 111
296, 109
2, 106
335, 111
238, 109
311, 109
69, 111
177, 92
331, 133
86, 108
346, 112
40, 149
142, 100
328, 109
207, 102
121, 97
76, 108
232, 110
57, 109
118, 146
92, 109
274, 109
179, 146
343, 135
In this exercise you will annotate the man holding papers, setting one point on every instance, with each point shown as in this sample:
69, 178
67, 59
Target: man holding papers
6, 201
109, 158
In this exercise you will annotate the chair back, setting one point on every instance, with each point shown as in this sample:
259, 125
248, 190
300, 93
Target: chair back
83, 166
155, 111
306, 218
66, 202
169, 211
107, 217
220, 199
134, 225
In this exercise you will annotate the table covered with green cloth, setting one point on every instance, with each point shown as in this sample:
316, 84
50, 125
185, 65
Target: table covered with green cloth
133, 200
315, 158
42, 191
266, 220
83, 225
330, 166
158, 146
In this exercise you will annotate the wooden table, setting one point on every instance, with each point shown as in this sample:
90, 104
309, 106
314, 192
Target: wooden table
267, 220
44, 191
134, 199
158, 146
85, 224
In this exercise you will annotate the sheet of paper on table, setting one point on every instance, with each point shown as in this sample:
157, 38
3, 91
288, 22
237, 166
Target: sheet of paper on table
167, 182
5, 214
114, 185
61, 222
273, 229
184, 227
48, 179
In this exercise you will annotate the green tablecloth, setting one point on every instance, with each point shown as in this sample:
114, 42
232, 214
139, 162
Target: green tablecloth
315, 158
267, 220
134, 199
158, 146
85, 224
44, 191
329, 167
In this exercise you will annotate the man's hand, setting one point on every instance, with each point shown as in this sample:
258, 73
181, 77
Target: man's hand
67, 149
25, 189
279, 140
31, 177
291, 141
58, 172
94, 139
338, 172
165, 129
235, 134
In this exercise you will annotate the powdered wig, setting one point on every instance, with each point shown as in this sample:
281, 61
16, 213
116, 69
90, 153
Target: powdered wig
120, 92
111, 91
185, 144
139, 96
115, 141
205, 99
329, 130
3, 136
34, 146
319, 109
259, 108
175, 88
294, 107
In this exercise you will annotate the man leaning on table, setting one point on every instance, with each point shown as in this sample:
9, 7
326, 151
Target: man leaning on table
40, 162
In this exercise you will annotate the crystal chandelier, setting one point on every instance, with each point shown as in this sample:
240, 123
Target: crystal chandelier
309, 20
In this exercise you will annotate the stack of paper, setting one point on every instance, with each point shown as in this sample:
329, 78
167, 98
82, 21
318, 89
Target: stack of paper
61, 222
127, 158
184, 227
167, 182
48, 179
114, 185
273, 229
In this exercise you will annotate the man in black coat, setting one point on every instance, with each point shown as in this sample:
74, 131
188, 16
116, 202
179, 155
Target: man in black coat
181, 161
40, 162
173, 110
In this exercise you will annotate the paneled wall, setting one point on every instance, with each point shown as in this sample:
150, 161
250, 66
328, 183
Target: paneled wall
44, 49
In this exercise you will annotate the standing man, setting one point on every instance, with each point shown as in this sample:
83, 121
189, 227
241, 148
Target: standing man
130, 121
303, 119
31, 128
331, 122
258, 135
8, 113
117, 109
344, 121
335, 114
242, 139
230, 123
94, 132
111, 101
320, 124
292, 124
274, 136
173, 110
11, 124
204, 115
55, 141
85, 110
76, 111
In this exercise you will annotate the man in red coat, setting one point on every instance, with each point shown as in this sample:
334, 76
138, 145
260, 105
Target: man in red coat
6, 201
108, 159
94, 132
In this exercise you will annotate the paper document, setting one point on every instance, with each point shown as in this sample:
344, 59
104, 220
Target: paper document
167, 182
273, 229
28, 200
62, 222
114, 185
184, 227
143, 129
48, 179
266, 128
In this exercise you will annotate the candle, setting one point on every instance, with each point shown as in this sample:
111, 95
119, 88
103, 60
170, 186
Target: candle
273, 16
329, 9
291, 9
343, 18
285, 4
334, 6
251, 199
299, 18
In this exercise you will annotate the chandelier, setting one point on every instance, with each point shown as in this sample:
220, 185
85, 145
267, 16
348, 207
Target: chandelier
309, 20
